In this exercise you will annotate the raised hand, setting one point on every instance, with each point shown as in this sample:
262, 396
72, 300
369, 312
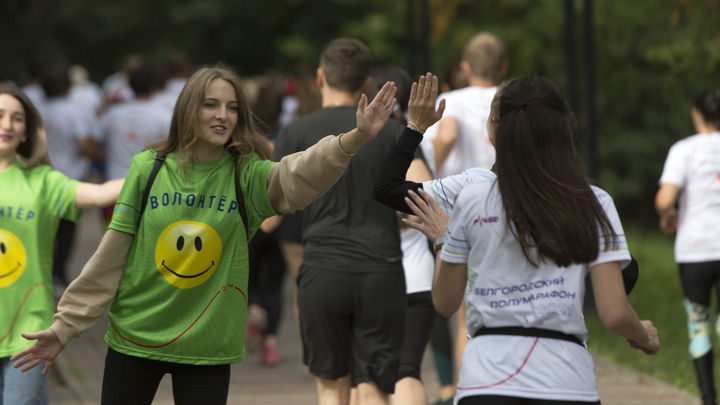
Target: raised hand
372, 118
422, 103
434, 219
46, 348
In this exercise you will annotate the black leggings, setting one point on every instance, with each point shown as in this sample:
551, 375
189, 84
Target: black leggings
63, 246
419, 318
698, 280
502, 400
134, 380
265, 278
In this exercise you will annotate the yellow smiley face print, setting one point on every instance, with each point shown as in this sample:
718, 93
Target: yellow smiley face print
187, 253
12, 258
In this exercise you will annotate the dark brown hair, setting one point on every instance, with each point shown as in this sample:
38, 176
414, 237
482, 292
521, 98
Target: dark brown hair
346, 64
548, 202
33, 152
184, 127
708, 105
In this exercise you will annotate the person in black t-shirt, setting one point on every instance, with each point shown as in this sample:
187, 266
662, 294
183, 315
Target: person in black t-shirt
351, 288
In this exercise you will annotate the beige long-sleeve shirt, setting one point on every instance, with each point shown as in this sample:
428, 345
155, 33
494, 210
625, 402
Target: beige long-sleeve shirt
294, 182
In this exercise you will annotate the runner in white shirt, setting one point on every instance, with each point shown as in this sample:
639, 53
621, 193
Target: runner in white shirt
533, 290
460, 139
179, 69
70, 135
130, 126
84, 92
692, 174
70, 140
33, 88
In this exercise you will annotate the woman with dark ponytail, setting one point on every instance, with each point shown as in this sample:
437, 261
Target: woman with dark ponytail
692, 175
519, 243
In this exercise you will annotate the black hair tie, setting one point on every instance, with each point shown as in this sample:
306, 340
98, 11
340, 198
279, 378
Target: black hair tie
520, 106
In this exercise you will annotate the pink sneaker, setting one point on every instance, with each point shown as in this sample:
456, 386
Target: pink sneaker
270, 356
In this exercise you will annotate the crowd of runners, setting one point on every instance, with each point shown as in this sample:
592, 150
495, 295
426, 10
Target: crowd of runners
394, 204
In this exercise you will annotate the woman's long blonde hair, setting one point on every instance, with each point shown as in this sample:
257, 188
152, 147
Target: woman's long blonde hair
33, 151
185, 127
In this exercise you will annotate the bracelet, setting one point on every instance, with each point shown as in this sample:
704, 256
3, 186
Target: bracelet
413, 127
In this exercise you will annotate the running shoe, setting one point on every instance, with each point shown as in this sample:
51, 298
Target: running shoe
270, 356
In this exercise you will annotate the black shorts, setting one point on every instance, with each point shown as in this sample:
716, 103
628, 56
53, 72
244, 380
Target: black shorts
352, 323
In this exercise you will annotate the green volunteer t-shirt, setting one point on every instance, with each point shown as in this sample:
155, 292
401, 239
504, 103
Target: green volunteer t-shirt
183, 293
32, 202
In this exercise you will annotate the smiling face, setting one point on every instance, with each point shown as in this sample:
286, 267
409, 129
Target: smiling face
12, 124
187, 253
217, 117
12, 258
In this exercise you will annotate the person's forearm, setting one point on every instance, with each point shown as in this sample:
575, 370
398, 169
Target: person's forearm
628, 325
86, 298
442, 151
445, 140
88, 195
301, 178
665, 199
391, 188
351, 141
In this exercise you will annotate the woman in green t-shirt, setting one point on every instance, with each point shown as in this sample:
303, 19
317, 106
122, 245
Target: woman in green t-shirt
33, 200
175, 267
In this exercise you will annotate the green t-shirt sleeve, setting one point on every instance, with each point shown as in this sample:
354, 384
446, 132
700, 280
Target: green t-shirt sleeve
60, 192
127, 211
253, 181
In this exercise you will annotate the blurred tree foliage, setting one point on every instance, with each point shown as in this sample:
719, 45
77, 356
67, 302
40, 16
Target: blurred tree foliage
653, 58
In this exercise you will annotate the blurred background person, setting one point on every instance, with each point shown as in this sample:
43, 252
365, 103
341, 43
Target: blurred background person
267, 267
128, 128
33, 83
117, 86
691, 177
460, 139
70, 140
178, 69
83, 92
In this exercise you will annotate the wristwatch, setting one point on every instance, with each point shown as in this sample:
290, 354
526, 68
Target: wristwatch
439, 242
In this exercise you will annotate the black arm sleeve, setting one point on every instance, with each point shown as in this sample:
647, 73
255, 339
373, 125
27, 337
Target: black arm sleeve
391, 187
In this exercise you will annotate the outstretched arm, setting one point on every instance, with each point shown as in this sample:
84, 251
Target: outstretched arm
391, 187
300, 178
82, 304
88, 195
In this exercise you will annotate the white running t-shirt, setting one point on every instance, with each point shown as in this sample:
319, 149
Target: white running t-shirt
128, 128
470, 106
504, 289
418, 262
693, 164
66, 124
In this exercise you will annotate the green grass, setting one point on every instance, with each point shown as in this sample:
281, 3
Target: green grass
657, 297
